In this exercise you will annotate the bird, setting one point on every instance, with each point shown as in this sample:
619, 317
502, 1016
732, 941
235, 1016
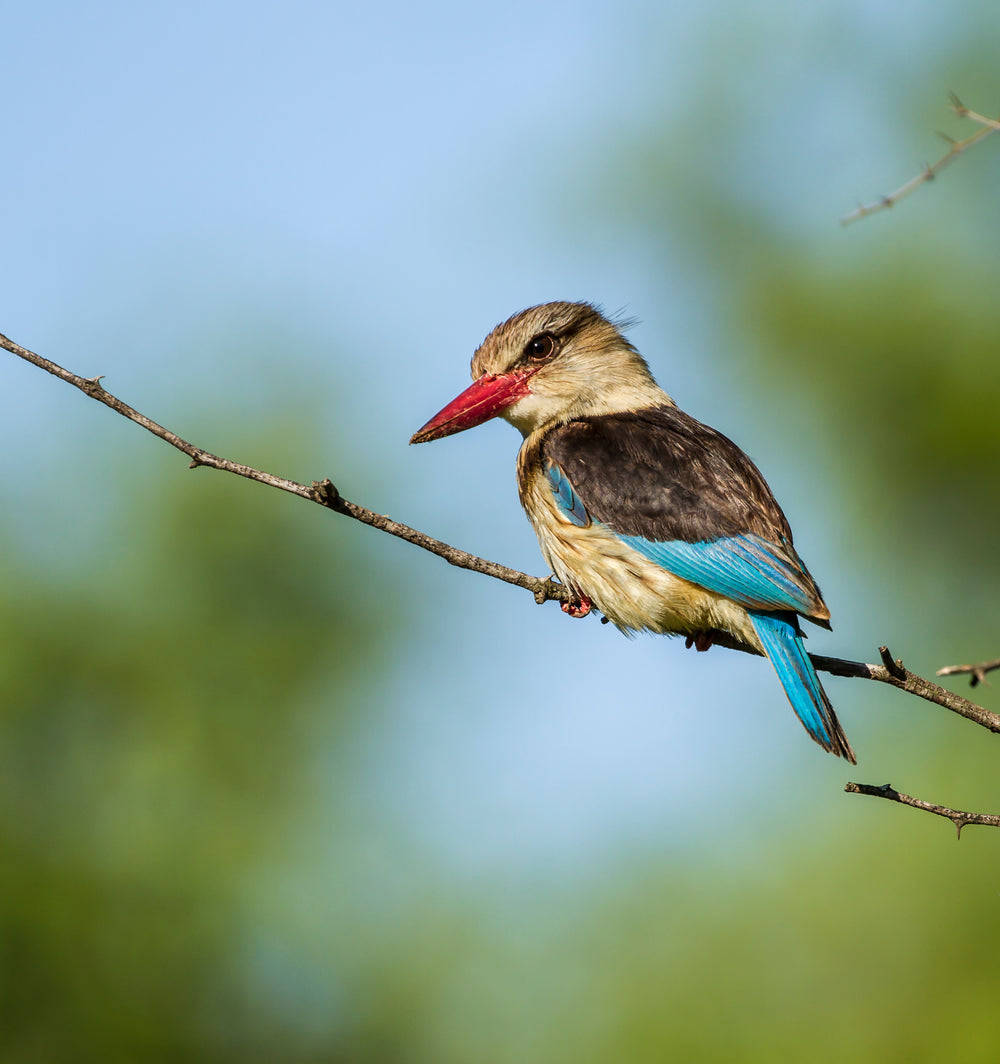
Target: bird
658, 521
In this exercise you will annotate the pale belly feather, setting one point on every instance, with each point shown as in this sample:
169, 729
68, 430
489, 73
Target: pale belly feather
633, 592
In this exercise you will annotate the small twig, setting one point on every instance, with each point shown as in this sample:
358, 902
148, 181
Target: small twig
929, 172
957, 816
978, 672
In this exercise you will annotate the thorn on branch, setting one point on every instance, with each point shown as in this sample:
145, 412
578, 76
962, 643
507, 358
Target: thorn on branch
958, 817
894, 665
325, 492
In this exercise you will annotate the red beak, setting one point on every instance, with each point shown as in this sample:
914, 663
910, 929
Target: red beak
482, 400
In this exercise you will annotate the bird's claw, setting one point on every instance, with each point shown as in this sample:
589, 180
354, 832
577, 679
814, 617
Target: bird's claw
578, 607
701, 641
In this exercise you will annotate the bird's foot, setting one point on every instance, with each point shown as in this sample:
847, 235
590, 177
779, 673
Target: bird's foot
701, 641
579, 607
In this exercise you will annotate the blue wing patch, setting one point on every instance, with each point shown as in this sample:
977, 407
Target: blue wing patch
566, 498
746, 569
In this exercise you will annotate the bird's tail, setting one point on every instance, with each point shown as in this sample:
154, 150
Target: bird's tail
779, 633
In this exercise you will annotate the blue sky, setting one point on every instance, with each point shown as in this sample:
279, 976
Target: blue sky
387, 182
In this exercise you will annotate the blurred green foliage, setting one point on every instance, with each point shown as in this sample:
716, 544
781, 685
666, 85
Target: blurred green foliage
898, 355
160, 701
182, 879
179, 882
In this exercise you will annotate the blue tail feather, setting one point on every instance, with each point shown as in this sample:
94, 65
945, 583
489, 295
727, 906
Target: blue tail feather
782, 641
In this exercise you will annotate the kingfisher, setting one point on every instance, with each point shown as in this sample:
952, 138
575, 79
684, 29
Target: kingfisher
656, 520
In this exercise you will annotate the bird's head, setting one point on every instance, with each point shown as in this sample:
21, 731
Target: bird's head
547, 365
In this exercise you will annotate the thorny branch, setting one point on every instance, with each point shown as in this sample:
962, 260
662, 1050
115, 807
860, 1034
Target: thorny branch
891, 671
322, 492
929, 172
957, 816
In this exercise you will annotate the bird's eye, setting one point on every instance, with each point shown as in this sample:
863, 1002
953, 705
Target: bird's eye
540, 347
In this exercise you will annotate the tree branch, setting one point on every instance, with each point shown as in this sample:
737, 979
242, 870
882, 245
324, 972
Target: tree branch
324, 493
959, 818
929, 172
893, 673
978, 672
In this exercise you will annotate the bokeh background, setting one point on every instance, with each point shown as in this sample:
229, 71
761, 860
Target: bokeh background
274, 786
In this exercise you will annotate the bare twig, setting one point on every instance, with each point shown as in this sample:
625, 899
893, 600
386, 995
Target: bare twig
977, 672
891, 671
957, 816
929, 172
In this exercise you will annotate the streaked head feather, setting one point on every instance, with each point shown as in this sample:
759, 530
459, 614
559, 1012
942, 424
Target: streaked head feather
594, 368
